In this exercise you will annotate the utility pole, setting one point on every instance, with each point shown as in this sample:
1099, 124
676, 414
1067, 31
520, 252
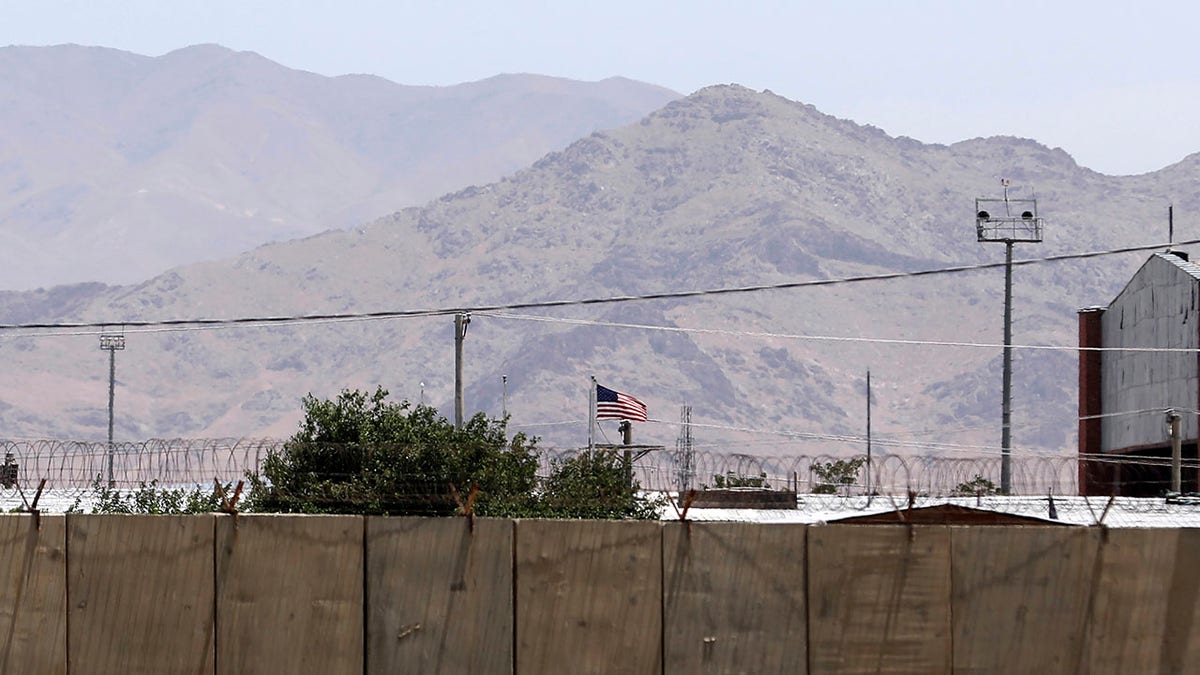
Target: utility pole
592, 415
868, 433
1006, 379
1173, 420
460, 333
1013, 220
111, 344
626, 429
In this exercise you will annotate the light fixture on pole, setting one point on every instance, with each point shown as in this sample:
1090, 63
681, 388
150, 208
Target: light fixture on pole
111, 344
1008, 221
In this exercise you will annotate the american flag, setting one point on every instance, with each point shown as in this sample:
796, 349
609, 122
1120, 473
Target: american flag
614, 405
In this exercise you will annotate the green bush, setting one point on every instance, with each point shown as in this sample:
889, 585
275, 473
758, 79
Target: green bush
149, 498
360, 453
976, 486
834, 474
594, 484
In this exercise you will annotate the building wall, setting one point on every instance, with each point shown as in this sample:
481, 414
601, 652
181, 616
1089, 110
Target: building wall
1158, 308
1093, 475
273, 594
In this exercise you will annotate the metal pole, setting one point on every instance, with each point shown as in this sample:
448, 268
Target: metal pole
592, 414
460, 333
1173, 420
1006, 387
627, 456
868, 433
112, 379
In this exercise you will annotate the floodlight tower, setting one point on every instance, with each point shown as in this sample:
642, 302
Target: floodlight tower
111, 344
1008, 221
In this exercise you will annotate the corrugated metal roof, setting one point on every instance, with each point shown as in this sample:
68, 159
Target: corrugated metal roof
1187, 266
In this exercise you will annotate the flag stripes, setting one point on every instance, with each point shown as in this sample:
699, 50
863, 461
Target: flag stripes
614, 405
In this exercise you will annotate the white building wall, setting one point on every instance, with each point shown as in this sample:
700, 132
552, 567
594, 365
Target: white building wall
1158, 308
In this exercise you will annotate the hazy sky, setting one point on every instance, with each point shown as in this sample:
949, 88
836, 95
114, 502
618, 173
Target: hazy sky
1114, 84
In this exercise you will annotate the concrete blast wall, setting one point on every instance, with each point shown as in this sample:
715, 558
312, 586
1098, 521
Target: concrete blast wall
439, 596
33, 606
589, 597
1036, 582
734, 598
289, 595
141, 594
1146, 603
879, 599
345, 594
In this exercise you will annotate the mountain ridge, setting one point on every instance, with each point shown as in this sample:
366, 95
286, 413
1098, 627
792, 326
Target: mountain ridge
205, 152
724, 188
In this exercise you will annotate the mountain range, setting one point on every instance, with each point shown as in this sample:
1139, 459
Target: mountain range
723, 189
116, 166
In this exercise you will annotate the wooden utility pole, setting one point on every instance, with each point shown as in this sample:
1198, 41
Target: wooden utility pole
460, 333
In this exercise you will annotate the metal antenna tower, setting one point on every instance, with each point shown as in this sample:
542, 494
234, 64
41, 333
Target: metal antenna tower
685, 455
1008, 221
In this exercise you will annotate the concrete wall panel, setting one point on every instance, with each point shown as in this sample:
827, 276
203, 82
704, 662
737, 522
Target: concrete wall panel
1020, 598
289, 594
588, 597
734, 598
137, 594
33, 606
439, 596
140, 592
1146, 610
879, 599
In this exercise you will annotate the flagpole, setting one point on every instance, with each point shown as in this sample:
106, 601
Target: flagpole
592, 415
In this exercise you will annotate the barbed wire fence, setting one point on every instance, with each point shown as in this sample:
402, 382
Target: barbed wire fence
75, 469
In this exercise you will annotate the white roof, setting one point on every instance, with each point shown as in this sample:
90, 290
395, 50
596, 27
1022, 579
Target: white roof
817, 509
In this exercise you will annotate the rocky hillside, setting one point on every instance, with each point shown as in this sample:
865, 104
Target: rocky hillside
725, 188
115, 167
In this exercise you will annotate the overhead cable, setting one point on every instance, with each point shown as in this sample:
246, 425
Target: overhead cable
830, 338
546, 304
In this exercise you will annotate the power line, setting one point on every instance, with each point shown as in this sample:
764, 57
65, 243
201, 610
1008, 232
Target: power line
546, 304
295, 321
1145, 411
830, 338
857, 439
